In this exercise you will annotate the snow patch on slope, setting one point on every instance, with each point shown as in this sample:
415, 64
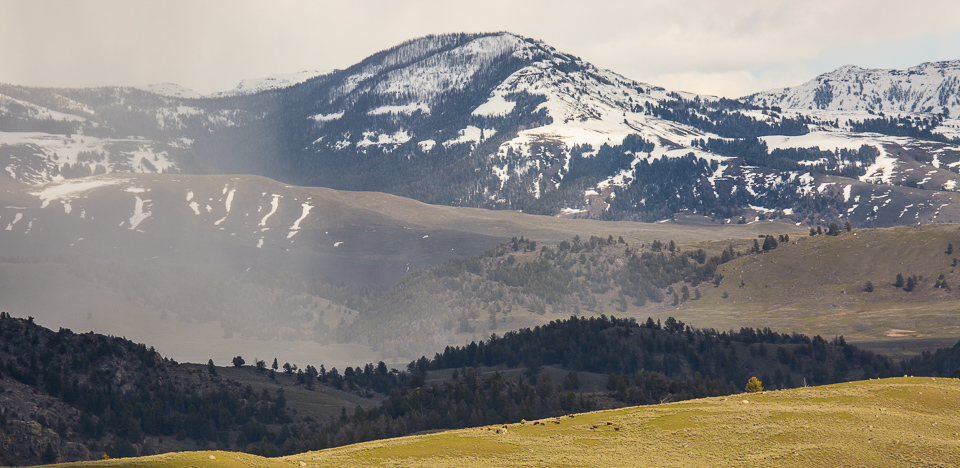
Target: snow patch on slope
296, 224
274, 204
70, 189
470, 134
140, 212
496, 106
404, 109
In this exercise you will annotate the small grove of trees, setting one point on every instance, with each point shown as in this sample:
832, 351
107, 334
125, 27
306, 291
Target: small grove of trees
909, 284
941, 283
832, 230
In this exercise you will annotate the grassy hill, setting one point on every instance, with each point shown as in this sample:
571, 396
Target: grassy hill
888, 422
816, 285
173, 281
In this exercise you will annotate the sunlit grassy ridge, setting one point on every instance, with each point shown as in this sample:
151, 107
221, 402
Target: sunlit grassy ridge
889, 422
816, 285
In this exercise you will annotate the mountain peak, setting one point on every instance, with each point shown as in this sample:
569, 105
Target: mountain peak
171, 90
931, 87
257, 85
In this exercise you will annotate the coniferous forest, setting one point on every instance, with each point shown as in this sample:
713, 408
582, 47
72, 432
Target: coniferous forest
103, 394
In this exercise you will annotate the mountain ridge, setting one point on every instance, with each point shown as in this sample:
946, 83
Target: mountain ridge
500, 121
930, 87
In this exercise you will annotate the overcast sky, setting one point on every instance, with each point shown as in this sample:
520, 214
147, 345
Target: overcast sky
727, 48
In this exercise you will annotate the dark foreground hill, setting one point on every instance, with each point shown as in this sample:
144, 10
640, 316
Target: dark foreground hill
69, 396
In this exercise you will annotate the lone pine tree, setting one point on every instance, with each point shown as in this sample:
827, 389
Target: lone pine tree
754, 385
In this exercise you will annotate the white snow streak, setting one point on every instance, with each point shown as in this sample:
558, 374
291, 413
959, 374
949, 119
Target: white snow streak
296, 224
139, 213
17, 217
274, 204
69, 189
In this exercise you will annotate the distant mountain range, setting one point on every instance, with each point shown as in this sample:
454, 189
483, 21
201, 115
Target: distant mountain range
932, 87
506, 122
247, 86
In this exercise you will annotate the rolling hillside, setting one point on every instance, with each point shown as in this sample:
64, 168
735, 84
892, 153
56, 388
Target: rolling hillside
213, 266
889, 422
818, 285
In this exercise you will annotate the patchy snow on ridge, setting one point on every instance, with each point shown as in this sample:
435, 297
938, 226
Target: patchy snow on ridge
327, 117
496, 106
408, 109
52, 152
427, 145
470, 134
171, 90
425, 79
883, 168
70, 189
36, 112
387, 141
930, 87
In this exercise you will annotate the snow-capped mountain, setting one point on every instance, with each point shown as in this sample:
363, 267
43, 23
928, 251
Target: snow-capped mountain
513, 106
246, 86
506, 122
259, 85
172, 90
931, 87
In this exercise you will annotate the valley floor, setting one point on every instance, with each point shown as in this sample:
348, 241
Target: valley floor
909, 421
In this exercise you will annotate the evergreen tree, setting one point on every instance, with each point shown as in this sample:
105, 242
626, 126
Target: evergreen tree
911, 283
899, 281
753, 386
211, 369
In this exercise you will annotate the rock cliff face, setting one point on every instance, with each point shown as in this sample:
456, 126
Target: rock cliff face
30, 442
34, 426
